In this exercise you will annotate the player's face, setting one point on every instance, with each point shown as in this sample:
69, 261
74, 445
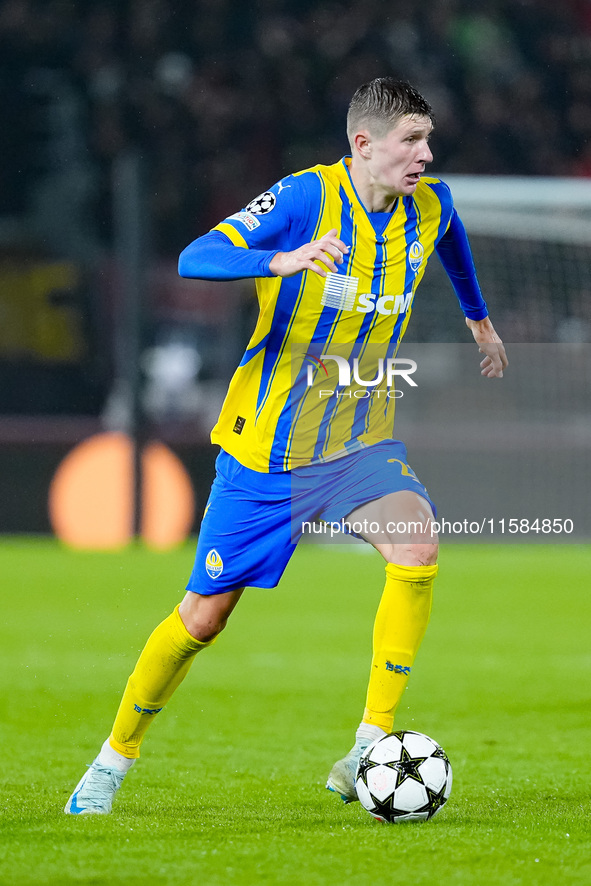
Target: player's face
398, 159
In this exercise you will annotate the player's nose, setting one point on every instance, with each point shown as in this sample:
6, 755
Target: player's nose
425, 154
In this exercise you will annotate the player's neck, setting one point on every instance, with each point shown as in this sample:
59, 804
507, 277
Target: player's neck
373, 196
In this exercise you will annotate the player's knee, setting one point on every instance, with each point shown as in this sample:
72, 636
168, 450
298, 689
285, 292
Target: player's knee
202, 618
423, 554
207, 633
204, 631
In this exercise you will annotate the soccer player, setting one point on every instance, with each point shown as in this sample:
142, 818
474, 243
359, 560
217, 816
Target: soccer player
337, 252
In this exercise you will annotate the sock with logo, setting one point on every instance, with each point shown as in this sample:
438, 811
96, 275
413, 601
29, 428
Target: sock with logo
161, 667
401, 622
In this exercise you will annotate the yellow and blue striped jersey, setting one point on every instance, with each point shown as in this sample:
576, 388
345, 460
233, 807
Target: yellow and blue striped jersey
288, 404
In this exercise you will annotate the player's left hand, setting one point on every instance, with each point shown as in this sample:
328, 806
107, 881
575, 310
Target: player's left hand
490, 345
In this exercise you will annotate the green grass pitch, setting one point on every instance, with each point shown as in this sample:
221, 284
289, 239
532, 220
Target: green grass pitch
230, 787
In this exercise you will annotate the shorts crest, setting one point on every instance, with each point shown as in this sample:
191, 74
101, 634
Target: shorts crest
214, 565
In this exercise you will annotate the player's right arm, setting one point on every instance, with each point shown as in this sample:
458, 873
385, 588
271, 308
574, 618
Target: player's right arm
327, 250
269, 238
215, 257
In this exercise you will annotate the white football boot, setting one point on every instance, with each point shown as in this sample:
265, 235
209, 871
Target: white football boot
342, 776
93, 795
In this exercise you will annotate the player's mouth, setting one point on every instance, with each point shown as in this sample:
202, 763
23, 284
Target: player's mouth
414, 177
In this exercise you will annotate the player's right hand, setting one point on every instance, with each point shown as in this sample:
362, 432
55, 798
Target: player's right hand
328, 249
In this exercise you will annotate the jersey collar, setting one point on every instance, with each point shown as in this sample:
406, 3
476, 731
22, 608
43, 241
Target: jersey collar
377, 224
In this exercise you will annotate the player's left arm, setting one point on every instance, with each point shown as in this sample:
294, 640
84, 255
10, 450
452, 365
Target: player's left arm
455, 255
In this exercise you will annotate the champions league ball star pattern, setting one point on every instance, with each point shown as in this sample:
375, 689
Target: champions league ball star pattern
262, 204
405, 776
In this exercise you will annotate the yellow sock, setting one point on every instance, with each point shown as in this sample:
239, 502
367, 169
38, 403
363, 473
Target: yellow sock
401, 622
162, 666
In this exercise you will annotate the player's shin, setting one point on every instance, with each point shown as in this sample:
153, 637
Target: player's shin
401, 622
161, 667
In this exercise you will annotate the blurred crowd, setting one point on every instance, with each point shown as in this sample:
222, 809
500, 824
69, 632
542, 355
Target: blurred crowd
223, 97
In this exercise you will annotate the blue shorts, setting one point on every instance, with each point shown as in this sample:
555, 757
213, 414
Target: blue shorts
253, 521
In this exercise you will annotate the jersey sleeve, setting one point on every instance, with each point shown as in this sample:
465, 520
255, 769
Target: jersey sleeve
215, 257
276, 219
244, 244
453, 249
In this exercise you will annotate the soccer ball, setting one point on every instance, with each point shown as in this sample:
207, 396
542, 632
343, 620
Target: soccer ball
405, 776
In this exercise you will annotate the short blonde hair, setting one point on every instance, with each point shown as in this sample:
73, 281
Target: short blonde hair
379, 105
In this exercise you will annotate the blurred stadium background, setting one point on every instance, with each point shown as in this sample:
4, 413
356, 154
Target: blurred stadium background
130, 128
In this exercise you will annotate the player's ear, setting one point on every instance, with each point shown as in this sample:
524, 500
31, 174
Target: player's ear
362, 142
